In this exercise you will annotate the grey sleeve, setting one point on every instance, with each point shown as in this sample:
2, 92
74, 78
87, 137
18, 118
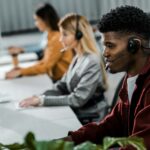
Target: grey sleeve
56, 89
82, 93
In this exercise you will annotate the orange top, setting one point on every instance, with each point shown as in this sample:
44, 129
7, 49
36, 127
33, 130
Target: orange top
54, 62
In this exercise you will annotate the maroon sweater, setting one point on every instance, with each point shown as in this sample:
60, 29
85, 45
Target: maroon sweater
125, 119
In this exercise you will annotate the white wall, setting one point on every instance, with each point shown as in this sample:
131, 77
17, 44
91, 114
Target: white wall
17, 14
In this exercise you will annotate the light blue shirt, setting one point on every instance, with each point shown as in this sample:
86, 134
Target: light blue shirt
38, 46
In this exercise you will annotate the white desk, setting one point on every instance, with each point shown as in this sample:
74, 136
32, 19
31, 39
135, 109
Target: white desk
25, 57
46, 122
6, 68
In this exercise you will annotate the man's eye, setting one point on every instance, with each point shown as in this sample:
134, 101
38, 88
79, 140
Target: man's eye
109, 45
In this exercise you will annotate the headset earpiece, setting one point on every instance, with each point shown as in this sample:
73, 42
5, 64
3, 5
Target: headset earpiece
133, 45
78, 34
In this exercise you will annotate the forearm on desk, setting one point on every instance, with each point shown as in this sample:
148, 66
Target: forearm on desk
38, 68
67, 138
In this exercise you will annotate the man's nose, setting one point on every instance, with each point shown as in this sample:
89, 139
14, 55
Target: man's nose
105, 52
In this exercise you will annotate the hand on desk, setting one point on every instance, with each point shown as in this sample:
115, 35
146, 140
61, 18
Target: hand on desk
14, 73
32, 101
15, 50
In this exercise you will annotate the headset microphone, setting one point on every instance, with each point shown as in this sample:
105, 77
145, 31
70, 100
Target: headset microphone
64, 49
67, 47
106, 67
119, 56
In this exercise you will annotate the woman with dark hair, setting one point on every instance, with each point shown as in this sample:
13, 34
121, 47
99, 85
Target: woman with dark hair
54, 62
47, 13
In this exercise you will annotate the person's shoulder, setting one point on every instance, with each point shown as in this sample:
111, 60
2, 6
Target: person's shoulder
53, 38
91, 60
92, 57
57, 33
54, 34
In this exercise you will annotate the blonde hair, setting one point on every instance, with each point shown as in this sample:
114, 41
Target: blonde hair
73, 22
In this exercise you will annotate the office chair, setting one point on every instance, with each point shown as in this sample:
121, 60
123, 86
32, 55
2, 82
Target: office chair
116, 95
104, 110
88, 117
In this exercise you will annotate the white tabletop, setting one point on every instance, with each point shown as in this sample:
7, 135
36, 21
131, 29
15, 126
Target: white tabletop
25, 57
8, 67
46, 122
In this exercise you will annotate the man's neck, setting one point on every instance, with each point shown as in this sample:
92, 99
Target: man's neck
139, 64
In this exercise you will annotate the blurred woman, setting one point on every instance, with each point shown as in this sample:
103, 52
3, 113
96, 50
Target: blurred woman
83, 86
54, 63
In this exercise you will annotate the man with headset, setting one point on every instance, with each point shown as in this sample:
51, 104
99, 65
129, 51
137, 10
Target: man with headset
126, 32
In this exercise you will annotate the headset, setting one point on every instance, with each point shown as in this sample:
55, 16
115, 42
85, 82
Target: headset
78, 33
133, 45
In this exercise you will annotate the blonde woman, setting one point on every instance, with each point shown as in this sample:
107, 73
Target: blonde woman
83, 86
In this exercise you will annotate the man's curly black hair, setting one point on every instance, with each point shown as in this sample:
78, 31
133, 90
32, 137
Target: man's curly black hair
126, 19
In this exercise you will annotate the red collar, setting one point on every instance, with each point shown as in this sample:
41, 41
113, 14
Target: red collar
146, 67
123, 91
